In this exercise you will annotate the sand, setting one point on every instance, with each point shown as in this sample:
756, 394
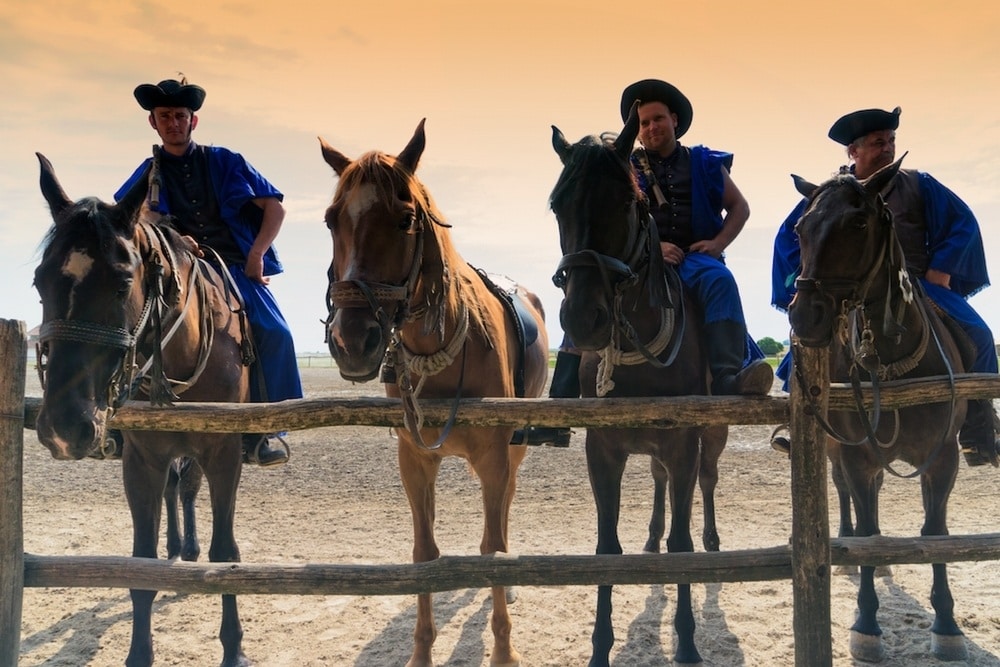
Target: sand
339, 500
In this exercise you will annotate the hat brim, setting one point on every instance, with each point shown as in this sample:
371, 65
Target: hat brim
150, 96
850, 127
654, 90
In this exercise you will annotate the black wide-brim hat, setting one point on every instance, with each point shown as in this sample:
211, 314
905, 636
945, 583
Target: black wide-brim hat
169, 93
859, 123
654, 90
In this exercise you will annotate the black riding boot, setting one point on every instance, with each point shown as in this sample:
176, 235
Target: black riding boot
978, 437
257, 449
565, 384
726, 344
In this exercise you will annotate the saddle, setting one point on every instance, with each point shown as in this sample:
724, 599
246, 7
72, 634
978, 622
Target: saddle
524, 323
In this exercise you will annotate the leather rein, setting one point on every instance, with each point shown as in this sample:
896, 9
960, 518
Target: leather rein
853, 329
391, 306
617, 278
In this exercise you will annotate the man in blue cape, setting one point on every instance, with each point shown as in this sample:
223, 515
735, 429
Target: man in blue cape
220, 201
942, 244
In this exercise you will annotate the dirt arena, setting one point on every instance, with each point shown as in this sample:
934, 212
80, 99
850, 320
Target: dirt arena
339, 500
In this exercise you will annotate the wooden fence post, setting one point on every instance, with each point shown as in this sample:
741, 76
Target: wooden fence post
810, 517
13, 360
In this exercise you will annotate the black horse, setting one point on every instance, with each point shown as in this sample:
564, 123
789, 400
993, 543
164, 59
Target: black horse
126, 306
855, 296
637, 341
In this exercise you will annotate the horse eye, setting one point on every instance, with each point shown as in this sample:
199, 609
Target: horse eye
125, 287
408, 221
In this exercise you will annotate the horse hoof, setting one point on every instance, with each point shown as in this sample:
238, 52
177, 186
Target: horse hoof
867, 648
949, 648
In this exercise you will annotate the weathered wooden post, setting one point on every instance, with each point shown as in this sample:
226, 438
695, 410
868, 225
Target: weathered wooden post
810, 517
13, 355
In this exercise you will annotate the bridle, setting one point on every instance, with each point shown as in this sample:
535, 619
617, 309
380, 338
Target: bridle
128, 377
618, 277
853, 329
391, 305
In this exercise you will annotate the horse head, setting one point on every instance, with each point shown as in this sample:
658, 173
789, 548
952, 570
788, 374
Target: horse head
845, 239
91, 297
380, 220
605, 234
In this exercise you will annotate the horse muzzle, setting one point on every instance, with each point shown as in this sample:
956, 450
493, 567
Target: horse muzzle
71, 434
811, 316
357, 343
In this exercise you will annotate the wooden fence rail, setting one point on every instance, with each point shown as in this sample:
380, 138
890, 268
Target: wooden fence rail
806, 561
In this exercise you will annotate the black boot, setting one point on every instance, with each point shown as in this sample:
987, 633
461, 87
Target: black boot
257, 449
565, 384
978, 437
726, 347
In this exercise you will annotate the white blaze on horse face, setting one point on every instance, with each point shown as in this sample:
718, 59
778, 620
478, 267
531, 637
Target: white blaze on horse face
361, 201
77, 265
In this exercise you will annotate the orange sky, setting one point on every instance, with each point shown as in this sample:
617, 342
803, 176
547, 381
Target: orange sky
766, 80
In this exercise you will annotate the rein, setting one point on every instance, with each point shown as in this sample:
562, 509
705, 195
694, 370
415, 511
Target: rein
127, 377
617, 277
383, 299
853, 319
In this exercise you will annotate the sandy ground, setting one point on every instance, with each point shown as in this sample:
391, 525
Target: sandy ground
339, 500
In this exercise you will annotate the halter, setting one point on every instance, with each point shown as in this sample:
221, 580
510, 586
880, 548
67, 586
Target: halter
392, 308
127, 377
854, 331
617, 277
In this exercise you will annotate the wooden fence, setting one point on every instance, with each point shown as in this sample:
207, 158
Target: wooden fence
807, 560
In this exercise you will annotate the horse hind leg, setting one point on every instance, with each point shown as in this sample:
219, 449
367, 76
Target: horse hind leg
713, 441
657, 522
170, 495
189, 485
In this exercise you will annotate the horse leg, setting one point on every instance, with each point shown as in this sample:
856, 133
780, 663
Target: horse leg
222, 463
684, 463
418, 474
657, 522
605, 465
173, 524
864, 483
144, 478
713, 441
190, 475
498, 480
947, 640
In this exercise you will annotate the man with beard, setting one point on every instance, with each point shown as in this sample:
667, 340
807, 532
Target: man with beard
942, 244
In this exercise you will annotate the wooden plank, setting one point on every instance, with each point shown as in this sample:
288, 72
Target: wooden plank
810, 520
13, 356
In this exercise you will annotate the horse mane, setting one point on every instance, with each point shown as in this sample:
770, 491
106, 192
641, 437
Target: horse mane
442, 264
593, 158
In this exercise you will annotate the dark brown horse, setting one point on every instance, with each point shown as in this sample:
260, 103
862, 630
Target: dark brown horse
119, 293
400, 292
855, 296
620, 309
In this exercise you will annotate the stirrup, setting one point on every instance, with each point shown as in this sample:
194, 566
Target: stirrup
781, 440
252, 455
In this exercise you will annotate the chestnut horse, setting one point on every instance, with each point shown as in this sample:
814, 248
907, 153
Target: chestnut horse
121, 295
640, 338
400, 292
854, 296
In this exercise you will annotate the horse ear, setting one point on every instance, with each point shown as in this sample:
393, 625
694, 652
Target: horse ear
410, 155
129, 205
559, 143
51, 189
877, 181
333, 157
805, 188
626, 140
